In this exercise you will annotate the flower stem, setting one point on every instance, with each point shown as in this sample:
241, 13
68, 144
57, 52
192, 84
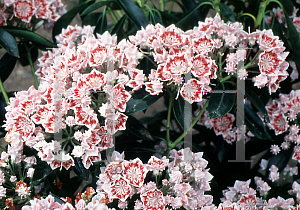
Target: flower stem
32, 67
4, 93
161, 5
172, 145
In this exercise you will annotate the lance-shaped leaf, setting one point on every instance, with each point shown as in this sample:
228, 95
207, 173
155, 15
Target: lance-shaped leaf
95, 6
136, 127
178, 110
118, 28
133, 12
153, 18
57, 199
255, 100
67, 18
255, 125
186, 18
80, 170
101, 25
287, 6
280, 161
277, 28
220, 103
31, 36
91, 19
294, 39
7, 65
42, 170
8, 42
139, 101
226, 12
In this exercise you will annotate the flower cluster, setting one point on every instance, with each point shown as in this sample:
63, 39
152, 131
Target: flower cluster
188, 180
82, 91
15, 180
283, 114
185, 186
201, 53
241, 196
27, 10
222, 126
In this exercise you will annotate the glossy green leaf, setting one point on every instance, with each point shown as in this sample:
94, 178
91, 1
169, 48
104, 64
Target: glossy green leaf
226, 12
67, 18
101, 25
91, 19
280, 161
42, 170
186, 18
95, 6
287, 6
118, 28
178, 109
7, 65
255, 100
136, 127
294, 39
169, 18
153, 18
57, 199
220, 103
190, 4
80, 170
8, 42
277, 28
31, 36
255, 125
139, 101
133, 12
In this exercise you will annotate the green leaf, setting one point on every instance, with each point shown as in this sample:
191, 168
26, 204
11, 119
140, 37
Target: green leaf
118, 29
101, 25
139, 101
80, 170
186, 18
42, 170
91, 19
178, 110
255, 125
294, 39
153, 17
133, 12
136, 127
31, 36
95, 6
169, 18
280, 161
66, 19
255, 100
287, 6
57, 199
277, 28
8, 42
220, 103
7, 65
226, 12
